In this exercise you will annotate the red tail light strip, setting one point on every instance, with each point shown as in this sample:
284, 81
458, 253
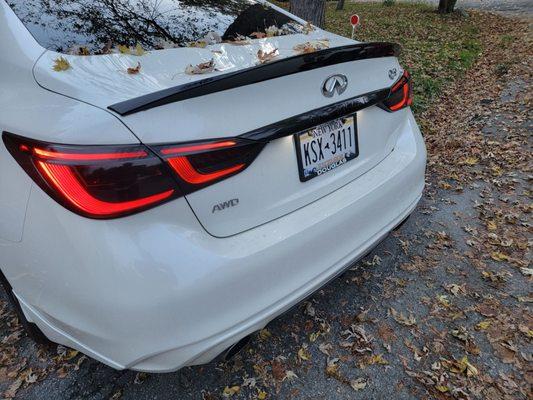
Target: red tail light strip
63, 178
405, 98
86, 156
198, 147
186, 171
401, 94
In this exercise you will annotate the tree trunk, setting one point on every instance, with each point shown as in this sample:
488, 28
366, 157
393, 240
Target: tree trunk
446, 6
313, 11
340, 5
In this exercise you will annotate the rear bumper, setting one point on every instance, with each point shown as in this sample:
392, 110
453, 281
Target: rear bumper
155, 292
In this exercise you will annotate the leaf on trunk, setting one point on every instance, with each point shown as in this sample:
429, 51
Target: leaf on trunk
79, 51
61, 64
272, 31
267, 56
134, 70
308, 28
311, 47
202, 68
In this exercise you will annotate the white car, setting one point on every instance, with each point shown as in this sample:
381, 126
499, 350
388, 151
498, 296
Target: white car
176, 174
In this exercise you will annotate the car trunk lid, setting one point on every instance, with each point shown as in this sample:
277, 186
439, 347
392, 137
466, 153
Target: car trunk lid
269, 111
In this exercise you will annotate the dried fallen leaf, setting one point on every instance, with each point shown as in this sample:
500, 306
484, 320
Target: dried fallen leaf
258, 35
139, 51
11, 392
491, 225
140, 378
266, 56
325, 348
202, 68
471, 161
289, 375
273, 30
442, 388
332, 367
308, 28
200, 44
311, 47
79, 51
135, 70
122, 49
278, 370
303, 354
480, 326
358, 384
61, 64
499, 256
401, 318
231, 390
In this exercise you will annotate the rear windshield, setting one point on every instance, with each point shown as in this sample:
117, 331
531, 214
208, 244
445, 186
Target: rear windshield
98, 26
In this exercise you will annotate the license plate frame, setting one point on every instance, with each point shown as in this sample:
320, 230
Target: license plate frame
310, 174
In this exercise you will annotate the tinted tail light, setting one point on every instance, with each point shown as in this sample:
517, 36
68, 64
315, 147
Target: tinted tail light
401, 94
95, 181
200, 164
113, 181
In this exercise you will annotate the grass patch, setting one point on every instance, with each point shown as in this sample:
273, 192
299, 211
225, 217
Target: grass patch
436, 48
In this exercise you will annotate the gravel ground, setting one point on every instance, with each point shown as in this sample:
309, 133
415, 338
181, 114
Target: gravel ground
397, 325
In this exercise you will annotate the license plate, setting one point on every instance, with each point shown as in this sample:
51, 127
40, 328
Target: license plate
326, 147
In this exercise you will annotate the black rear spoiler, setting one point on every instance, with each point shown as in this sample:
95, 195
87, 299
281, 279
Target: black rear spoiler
256, 74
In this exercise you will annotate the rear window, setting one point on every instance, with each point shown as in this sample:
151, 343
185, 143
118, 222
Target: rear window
97, 26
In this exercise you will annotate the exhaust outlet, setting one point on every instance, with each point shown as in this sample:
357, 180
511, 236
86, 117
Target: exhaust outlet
233, 350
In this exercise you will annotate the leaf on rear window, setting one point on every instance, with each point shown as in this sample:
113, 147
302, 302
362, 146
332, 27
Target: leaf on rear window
135, 70
61, 64
239, 40
267, 56
79, 51
272, 31
202, 68
135, 51
123, 49
200, 44
311, 47
107, 47
139, 51
258, 35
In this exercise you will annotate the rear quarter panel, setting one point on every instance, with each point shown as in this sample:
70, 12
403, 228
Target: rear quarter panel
29, 110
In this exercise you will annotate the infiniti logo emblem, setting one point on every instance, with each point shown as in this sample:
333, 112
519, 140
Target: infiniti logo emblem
334, 84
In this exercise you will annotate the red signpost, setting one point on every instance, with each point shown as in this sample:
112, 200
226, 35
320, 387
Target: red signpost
354, 20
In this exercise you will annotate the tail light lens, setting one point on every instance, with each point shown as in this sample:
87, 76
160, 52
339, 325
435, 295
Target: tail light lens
112, 181
95, 181
200, 164
401, 94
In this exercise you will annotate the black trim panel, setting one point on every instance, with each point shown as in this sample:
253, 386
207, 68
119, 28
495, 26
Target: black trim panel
261, 73
308, 120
